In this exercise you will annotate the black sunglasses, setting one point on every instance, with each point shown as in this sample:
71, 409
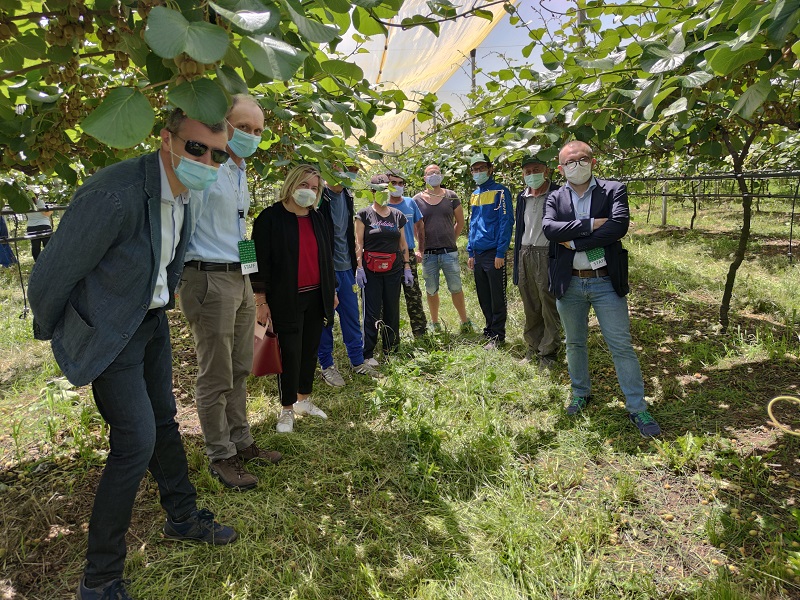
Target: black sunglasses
199, 149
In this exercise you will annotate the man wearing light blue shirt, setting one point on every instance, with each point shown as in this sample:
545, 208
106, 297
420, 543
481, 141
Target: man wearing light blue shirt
585, 221
217, 299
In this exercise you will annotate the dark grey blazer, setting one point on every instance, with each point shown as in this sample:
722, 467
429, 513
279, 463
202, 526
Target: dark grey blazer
609, 200
93, 283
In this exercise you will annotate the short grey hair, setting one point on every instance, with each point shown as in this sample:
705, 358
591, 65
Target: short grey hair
176, 118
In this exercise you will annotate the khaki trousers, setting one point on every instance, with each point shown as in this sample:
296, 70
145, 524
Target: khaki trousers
221, 312
542, 323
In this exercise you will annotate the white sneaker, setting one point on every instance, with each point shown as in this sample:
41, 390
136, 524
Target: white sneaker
371, 362
285, 421
365, 369
307, 407
331, 376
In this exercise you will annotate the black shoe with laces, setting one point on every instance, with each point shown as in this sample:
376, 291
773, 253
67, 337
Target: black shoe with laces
111, 590
200, 527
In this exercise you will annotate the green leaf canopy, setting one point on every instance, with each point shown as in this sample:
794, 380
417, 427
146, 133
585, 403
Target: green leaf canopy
124, 118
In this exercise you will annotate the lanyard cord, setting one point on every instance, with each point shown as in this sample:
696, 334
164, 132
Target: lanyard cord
237, 185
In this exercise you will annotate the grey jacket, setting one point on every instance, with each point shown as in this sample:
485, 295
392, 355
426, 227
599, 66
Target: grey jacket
93, 283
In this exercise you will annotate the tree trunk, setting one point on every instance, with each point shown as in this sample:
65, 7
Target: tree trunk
744, 237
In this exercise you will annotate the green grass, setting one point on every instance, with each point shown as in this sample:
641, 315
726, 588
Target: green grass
459, 475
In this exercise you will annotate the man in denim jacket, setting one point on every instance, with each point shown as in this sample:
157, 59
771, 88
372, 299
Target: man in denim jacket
99, 292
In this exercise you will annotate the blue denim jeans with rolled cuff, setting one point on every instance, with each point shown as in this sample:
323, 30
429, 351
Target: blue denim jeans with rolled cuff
448, 264
612, 315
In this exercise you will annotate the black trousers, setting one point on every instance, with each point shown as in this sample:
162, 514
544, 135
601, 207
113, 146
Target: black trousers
37, 245
134, 396
299, 348
381, 295
490, 284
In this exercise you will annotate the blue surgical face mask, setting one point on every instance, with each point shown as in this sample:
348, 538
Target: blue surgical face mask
243, 144
481, 177
194, 175
534, 180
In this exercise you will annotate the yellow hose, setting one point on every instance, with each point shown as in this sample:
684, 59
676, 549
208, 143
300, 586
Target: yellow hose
774, 420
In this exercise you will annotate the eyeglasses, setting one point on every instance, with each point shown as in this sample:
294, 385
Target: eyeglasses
584, 162
199, 149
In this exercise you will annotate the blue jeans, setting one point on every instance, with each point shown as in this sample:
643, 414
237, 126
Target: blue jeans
612, 314
134, 396
349, 321
448, 263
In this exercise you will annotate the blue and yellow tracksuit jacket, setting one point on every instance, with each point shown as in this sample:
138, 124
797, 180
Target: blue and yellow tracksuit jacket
491, 219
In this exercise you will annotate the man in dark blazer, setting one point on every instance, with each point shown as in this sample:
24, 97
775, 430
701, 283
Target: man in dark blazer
99, 292
585, 221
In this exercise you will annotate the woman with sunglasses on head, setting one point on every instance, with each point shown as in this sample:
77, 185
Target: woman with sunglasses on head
295, 287
383, 263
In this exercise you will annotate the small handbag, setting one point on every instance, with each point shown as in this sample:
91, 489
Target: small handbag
266, 353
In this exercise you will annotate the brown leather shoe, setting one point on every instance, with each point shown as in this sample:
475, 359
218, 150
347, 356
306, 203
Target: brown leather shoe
253, 452
232, 474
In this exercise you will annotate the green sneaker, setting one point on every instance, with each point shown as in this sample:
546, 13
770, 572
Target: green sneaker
646, 424
577, 405
467, 328
435, 327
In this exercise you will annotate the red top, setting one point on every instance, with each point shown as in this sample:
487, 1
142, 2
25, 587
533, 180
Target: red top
308, 263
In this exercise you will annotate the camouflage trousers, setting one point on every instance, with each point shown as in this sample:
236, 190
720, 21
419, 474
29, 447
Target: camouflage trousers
416, 314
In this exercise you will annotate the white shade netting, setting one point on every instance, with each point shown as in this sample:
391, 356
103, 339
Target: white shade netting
416, 61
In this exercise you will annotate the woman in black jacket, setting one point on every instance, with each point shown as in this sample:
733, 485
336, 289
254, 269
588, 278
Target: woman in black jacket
295, 286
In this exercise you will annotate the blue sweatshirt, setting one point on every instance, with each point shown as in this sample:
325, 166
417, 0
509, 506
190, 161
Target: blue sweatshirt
491, 219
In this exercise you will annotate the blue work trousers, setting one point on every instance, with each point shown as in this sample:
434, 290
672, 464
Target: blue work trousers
348, 320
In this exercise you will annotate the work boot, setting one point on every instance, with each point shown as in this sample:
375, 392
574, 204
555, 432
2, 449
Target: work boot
232, 474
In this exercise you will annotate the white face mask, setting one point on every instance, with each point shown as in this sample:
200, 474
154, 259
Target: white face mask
304, 197
397, 191
434, 180
577, 174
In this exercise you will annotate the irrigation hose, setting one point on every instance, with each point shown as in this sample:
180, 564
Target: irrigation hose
775, 422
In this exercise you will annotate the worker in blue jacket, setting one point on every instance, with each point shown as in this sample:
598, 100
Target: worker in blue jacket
490, 225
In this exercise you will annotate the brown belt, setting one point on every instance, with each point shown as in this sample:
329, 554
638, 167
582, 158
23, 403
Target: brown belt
590, 272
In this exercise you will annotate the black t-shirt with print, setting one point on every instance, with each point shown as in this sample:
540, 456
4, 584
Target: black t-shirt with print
382, 234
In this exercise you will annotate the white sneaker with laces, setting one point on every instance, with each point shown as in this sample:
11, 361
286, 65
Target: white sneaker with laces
307, 407
365, 369
332, 377
285, 421
371, 362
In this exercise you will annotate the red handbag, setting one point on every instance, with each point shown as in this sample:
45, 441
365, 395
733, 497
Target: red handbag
266, 354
